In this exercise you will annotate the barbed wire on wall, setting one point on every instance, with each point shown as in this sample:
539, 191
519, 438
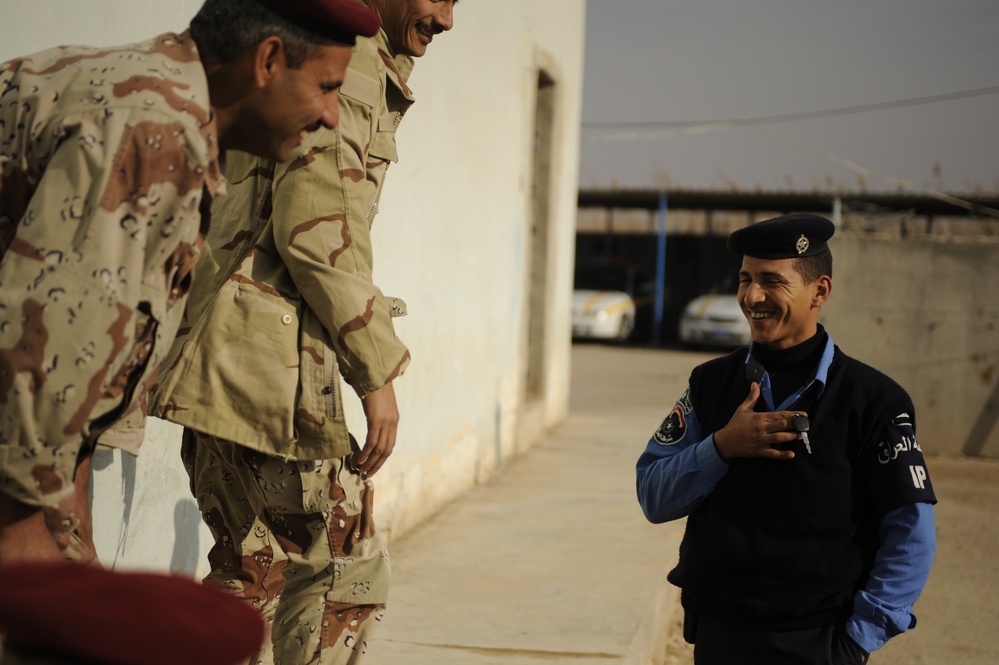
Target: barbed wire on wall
697, 126
681, 128
870, 173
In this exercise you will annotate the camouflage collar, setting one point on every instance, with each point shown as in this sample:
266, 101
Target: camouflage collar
399, 66
214, 181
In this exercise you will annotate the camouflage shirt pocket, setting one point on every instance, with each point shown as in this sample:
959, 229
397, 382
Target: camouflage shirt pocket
319, 414
383, 147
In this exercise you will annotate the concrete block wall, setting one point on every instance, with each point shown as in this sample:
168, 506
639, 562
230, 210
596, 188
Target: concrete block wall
925, 312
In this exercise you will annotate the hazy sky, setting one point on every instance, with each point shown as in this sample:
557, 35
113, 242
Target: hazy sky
697, 61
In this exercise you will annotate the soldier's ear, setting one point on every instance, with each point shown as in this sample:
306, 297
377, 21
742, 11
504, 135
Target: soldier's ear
268, 60
821, 290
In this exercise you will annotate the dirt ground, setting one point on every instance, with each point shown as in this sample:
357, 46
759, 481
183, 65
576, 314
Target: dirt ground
958, 613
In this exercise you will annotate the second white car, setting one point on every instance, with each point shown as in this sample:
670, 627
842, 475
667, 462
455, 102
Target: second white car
715, 320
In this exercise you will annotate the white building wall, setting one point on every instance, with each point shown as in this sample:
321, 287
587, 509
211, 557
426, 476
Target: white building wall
452, 239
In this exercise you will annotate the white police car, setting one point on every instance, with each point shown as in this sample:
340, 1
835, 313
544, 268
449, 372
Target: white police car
715, 319
600, 314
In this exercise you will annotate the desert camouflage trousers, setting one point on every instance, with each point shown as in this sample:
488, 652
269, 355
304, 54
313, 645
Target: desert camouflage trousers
297, 540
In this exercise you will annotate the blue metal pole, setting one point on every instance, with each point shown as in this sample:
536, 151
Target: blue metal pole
657, 323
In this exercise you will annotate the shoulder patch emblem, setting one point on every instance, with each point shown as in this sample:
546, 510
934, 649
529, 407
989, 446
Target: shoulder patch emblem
900, 441
902, 420
674, 426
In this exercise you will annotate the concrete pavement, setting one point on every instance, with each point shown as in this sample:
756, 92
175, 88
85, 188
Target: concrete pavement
553, 561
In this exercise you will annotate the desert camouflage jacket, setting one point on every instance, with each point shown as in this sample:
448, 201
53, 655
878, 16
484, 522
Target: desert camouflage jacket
105, 155
259, 363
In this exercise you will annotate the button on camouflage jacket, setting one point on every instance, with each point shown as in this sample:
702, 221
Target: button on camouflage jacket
259, 362
105, 155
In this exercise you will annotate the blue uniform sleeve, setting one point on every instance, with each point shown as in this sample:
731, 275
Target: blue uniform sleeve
679, 467
883, 608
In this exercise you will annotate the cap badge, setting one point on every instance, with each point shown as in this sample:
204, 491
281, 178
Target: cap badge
802, 244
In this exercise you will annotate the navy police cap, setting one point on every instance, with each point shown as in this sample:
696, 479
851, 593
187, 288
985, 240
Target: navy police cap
785, 237
335, 19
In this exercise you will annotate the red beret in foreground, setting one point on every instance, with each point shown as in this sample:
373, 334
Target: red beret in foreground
92, 614
331, 18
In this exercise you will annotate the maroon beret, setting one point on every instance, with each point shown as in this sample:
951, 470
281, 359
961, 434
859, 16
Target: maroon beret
87, 613
329, 18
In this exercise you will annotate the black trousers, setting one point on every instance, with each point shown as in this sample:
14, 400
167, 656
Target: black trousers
721, 643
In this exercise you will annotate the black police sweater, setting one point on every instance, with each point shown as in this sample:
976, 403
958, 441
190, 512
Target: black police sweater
785, 544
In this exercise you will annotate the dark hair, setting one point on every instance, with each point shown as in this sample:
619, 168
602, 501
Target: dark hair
225, 29
812, 267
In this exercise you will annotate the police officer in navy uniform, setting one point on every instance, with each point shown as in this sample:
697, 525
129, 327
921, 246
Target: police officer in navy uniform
810, 529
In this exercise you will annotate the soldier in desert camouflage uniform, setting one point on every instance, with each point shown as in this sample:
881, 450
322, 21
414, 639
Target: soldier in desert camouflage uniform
108, 164
255, 377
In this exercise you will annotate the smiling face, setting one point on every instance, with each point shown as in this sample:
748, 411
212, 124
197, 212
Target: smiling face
782, 309
305, 99
288, 103
412, 24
